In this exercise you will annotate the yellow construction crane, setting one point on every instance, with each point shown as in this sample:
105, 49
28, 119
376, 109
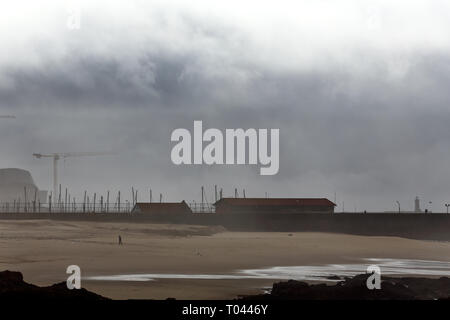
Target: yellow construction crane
58, 156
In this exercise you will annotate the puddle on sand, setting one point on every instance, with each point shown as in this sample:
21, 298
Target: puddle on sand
401, 267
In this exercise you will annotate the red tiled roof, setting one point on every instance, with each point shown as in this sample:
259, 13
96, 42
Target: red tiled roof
275, 202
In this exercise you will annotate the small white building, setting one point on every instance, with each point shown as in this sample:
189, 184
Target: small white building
417, 205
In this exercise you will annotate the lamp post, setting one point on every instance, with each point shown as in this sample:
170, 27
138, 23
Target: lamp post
447, 205
398, 203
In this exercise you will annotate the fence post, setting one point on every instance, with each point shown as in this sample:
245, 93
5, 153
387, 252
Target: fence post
118, 202
107, 202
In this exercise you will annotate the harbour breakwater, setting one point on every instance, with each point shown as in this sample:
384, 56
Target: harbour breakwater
409, 225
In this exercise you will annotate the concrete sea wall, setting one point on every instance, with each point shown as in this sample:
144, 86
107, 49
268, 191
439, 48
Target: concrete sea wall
419, 226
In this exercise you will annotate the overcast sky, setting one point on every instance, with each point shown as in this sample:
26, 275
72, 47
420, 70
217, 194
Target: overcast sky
359, 91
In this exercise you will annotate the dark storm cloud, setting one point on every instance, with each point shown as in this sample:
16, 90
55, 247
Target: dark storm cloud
96, 81
85, 81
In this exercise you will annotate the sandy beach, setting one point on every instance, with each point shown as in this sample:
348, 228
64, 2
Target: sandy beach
42, 250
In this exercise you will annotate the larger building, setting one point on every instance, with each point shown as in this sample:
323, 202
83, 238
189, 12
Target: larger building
274, 205
17, 185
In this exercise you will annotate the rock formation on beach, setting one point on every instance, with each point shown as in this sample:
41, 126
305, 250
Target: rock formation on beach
12, 286
355, 289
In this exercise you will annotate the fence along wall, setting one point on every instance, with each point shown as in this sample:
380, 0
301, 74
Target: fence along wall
87, 207
37, 207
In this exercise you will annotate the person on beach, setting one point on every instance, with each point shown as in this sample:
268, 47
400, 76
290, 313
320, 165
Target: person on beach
120, 240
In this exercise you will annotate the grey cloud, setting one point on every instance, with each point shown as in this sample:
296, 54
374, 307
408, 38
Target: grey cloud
370, 138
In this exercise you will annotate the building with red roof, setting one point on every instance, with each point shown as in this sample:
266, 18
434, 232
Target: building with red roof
273, 205
162, 208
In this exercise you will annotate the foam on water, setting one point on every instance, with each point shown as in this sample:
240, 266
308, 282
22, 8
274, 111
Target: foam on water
397, 267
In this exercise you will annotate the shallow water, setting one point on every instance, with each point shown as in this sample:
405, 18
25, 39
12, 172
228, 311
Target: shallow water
305, 273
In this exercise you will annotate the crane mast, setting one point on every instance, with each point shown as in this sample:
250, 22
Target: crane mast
57, 156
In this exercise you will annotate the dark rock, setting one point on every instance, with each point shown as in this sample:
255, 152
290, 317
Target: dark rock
356, 289
12, 286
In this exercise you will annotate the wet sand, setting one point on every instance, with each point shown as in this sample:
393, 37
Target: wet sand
42, 250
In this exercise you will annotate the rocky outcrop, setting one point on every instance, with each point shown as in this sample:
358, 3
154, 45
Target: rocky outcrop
12, 286
355, 289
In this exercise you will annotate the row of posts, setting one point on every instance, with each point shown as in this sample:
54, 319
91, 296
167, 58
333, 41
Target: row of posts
101, 205
69, 204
